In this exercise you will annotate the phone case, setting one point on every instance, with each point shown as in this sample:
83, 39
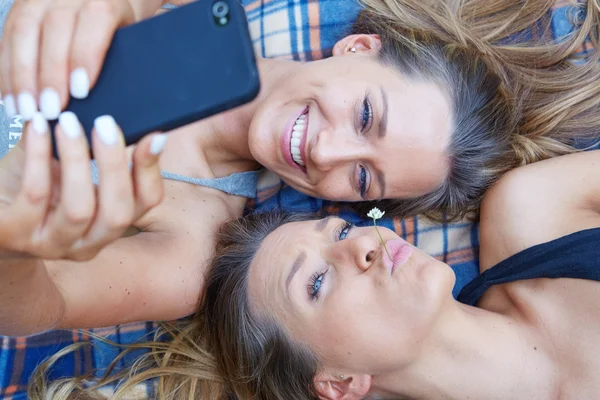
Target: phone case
173, 69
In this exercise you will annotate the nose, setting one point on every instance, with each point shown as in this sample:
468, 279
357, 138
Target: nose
333, 148
360, 252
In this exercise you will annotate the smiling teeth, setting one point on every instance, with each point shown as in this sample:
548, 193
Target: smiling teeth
297, 133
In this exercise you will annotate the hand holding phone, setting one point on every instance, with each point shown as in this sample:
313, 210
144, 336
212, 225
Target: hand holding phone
54, 210
174, 69
49, 46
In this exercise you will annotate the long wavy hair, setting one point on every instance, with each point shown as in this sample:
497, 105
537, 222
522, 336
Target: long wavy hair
226, 351
517, 95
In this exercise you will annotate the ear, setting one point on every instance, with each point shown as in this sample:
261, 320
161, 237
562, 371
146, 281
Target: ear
363, 44
352, 387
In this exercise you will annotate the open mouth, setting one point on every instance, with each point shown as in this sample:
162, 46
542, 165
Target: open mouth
298, 139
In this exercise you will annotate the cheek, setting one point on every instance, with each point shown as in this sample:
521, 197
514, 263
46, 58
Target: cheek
354, 324
297, 85
262, 135
334, 185
408, 176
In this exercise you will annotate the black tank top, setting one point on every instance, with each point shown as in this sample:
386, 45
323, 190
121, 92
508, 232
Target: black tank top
573, 256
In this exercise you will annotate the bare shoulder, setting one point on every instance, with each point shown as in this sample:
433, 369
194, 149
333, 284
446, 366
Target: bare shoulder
538, 203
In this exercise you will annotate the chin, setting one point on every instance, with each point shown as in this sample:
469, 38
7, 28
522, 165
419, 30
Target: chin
439, 280
449, 279
259, 143
444, 285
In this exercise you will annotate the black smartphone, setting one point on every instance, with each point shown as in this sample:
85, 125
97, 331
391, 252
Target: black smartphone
173, 69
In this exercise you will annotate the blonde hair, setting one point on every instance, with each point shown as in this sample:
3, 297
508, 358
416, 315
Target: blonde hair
177, 358
513, 103
225, 351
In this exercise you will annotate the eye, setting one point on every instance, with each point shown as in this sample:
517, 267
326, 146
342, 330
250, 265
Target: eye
342, 231
361, 181
314, 284
366, 117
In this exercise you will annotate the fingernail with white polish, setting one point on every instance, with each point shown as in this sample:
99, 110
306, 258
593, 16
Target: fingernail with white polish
70, 124
106, 128
40, 125
50, 104
79, 83
158, 143
27, 105
9, 106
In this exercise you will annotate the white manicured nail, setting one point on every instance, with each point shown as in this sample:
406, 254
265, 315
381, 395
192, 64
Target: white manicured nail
27, 105
50, 104
70, 124
79, 83
9, 106
106, 128
158, 143
40, 125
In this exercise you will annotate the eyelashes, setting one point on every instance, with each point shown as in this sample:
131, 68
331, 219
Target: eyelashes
362, 181
314, 284
366, 117
342, 231
316, 280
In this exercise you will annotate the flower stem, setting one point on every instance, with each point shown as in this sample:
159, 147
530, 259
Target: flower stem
382, 242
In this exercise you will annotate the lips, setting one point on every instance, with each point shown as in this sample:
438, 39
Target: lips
286, 141
399, 250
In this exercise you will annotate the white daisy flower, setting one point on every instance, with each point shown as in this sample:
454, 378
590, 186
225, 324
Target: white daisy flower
375, 213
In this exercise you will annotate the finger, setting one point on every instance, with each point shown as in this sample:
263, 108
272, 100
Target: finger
57, 34
5, 90
115, 209
10, 107
8, 100
24, 44
96, 25
77, 204
31, 204
147, 181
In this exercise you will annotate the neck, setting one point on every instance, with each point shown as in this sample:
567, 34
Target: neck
230, 129
472, 354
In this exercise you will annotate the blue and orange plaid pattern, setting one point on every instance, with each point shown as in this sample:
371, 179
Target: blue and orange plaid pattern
301, 30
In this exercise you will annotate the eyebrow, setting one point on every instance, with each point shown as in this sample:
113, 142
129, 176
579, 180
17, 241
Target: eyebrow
321, 224
384, 116
382, 132
319, 227
381, 179
295, 267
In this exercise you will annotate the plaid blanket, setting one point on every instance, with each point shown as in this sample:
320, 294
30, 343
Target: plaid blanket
291, 29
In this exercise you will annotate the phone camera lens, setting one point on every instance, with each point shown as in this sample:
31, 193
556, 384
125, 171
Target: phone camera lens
220, 10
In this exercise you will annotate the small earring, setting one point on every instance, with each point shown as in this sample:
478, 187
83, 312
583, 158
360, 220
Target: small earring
342, 376
353, 50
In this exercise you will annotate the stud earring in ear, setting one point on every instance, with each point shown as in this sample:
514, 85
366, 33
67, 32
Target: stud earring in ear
353, 50
342, 376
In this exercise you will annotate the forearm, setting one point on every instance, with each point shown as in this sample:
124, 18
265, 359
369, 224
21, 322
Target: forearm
30, 300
